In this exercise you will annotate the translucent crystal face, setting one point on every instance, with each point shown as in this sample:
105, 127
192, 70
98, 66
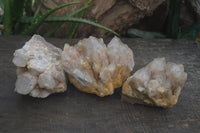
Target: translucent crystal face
94, 68
159, 83
39, 71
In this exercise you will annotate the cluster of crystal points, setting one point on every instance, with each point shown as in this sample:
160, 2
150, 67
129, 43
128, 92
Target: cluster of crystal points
157, 84
39, 69
94, 68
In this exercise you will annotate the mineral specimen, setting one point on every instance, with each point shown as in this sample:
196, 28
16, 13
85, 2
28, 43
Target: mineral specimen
39, 69
94, 68
157, 84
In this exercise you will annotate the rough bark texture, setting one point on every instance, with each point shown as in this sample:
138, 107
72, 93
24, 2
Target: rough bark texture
115, 14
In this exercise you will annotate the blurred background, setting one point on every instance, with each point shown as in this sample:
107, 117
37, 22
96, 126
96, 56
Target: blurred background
178, 19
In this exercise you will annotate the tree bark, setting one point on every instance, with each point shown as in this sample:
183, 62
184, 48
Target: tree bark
118, 15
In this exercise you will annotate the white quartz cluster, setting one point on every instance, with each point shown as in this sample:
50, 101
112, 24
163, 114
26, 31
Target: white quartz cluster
39, 68
95, 68
159, 84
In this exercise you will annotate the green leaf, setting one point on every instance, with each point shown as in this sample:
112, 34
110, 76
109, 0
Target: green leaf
12, 11
52, 30
74, 26
36, 12
87, 5
26, 20
8, 24
80, 20
69, 19
39, 20
33, 2
17, 7
57, 26
2, 2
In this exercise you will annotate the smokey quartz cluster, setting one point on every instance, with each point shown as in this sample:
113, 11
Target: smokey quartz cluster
39, 69
157, 84
95, 68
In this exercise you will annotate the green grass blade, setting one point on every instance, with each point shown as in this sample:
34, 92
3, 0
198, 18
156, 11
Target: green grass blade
68, 19
28, 20
36, 12
25, 20
57, 26
39, 20
80, 20
87, 5
51, 31
7, 22
33, 2
74, 26
19, 27
12, 11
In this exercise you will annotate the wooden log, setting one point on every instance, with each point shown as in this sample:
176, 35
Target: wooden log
115, 14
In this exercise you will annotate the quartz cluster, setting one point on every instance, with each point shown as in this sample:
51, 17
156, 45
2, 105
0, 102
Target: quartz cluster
157, 84
39, 68
95, 68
